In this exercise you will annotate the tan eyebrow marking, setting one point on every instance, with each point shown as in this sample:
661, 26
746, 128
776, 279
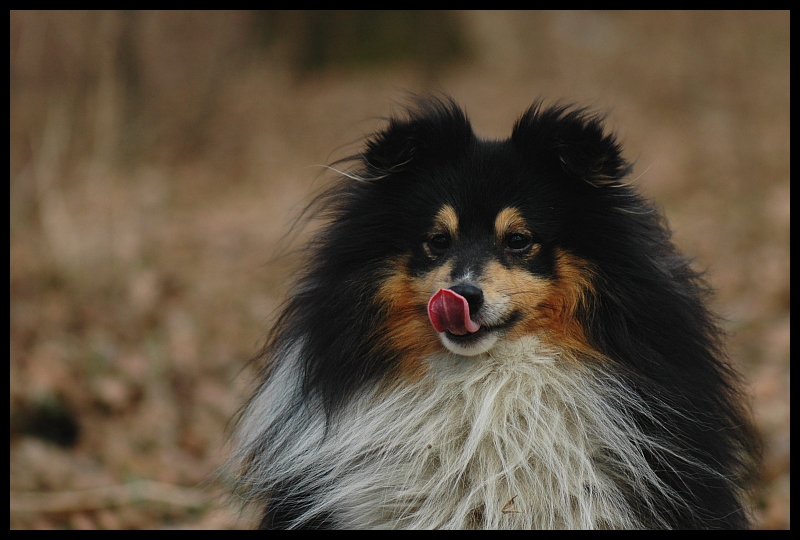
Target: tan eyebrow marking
447, 221
508, 221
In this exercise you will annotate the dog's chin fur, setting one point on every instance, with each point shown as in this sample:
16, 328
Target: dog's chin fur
483, 346
518, 437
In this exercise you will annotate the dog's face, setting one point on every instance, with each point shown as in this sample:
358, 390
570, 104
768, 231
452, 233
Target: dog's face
473, 282
498, 281
478, 241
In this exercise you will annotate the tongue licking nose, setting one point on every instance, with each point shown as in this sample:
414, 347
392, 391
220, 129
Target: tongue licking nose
449, 311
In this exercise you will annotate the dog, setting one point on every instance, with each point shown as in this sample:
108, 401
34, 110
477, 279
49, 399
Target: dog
492, 334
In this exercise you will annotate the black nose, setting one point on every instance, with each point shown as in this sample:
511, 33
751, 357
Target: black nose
473, 294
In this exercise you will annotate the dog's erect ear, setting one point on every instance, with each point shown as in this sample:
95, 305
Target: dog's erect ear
432, 127
575, 138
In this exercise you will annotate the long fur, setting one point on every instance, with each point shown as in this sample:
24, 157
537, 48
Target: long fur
608, 403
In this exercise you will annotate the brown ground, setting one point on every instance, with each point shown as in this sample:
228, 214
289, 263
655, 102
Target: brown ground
157, 160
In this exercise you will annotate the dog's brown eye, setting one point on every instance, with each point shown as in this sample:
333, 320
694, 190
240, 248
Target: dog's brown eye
519, 242
439, 243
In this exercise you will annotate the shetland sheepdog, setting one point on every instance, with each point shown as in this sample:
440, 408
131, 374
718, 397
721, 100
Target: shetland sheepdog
494, 334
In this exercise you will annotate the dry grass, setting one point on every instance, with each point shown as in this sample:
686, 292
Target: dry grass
157, 159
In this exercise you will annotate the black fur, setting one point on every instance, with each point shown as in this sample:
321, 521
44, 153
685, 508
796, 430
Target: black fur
647, 315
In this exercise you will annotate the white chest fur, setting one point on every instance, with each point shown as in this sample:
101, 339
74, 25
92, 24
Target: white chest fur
519, 437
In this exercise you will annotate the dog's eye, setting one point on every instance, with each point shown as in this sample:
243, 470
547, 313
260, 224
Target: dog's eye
519, 242
439, 243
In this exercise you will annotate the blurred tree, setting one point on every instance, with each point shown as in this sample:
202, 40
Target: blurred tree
361, 38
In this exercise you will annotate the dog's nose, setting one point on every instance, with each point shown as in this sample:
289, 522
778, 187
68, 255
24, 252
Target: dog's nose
473, 294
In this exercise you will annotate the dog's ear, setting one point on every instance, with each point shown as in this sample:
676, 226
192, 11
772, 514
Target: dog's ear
574, 139
434, 127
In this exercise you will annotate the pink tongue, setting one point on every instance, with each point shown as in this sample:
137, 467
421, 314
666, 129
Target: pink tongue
448, 310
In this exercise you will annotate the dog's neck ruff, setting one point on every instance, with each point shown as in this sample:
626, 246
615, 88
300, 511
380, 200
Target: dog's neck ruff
519, 437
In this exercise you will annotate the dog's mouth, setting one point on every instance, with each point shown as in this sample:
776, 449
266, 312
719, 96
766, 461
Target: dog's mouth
449, 311
474, 337
450, 314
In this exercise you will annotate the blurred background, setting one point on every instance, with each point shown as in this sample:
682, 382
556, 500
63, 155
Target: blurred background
157, 160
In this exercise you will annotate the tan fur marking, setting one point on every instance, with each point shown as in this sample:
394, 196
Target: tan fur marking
408, 330
556, 310
446, 221
508, 221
